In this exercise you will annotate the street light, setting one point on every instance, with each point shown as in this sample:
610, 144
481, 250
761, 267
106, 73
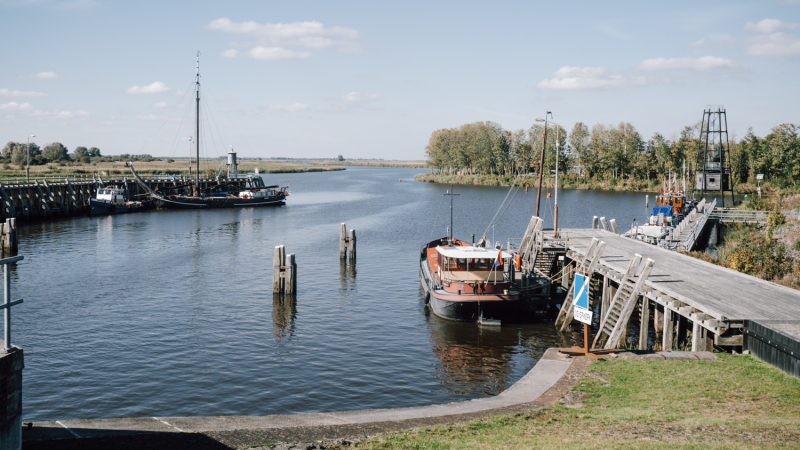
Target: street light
558, 149
28, 164
541, 161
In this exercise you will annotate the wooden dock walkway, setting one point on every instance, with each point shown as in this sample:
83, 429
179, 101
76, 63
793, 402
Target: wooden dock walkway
713, 297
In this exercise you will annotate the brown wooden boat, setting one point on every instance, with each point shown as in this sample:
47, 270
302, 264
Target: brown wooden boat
467, 283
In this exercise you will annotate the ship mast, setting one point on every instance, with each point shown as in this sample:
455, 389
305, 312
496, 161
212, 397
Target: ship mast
197, 129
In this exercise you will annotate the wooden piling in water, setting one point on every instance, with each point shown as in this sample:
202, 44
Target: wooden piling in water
290, 281
277, 262
352, 245
343, 242
284, 272
604, 223
594, 222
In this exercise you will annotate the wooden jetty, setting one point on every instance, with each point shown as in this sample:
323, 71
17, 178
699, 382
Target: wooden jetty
671, 291
51, 198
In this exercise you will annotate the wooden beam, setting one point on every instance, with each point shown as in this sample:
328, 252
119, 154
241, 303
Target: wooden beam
644, 323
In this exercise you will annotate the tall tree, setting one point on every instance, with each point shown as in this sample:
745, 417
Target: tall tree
55, 152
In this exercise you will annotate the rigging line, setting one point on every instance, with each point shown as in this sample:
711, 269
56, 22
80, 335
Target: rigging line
221, 139
436, 216
163, 123
232, 123
495, 218
173, 149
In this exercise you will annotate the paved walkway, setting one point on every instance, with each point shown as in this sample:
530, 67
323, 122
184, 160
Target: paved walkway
552, 377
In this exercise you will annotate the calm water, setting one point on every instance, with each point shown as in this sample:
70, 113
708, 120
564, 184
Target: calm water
171, 313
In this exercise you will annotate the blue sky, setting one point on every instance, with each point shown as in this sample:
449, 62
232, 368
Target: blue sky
373, 79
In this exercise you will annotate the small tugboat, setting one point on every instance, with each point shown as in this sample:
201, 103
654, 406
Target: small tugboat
111, 200
467, 283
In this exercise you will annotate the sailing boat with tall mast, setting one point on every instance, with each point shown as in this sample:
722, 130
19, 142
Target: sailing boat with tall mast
227, 194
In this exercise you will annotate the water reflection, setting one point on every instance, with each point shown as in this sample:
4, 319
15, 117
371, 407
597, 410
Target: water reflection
347, 277
473, 360
284, 312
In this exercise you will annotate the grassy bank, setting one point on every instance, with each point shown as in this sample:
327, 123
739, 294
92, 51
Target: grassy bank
373, 163
106, 168
569, 181
572, 181
737, 402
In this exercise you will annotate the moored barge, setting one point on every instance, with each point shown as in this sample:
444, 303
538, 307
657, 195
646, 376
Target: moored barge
467, 283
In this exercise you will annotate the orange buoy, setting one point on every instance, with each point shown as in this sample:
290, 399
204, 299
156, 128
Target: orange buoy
548, 195
401, 180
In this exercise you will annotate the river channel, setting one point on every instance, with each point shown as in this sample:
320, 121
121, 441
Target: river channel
171, 313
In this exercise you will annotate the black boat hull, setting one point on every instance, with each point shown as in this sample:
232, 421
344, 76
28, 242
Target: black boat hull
467, 307
102, 208
175, 202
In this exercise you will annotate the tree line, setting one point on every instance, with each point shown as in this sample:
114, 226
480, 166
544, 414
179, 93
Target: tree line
607, 151
17, 153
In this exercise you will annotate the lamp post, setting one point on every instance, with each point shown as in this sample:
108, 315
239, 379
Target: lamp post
558, 149
28, 156
541, 161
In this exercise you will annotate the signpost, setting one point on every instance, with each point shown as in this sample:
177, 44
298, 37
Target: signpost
583, 313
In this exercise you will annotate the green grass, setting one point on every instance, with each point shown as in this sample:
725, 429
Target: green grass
737, 402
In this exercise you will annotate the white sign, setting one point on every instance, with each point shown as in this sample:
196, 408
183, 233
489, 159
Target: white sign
760, 176
583, 315
581, 309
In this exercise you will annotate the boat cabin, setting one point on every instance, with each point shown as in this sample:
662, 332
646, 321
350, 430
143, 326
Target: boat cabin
676, 200
469, 264
114, 195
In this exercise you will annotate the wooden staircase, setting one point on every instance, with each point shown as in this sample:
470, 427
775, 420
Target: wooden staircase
621, 306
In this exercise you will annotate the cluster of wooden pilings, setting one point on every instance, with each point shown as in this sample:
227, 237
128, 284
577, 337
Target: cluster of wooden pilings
347, 244
43, 200
284, 272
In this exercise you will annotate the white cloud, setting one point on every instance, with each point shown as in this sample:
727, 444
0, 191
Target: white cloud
584, 78
44, 75
359, 97
703, 63
150, 117
160, 105
273, 41
294, 107
18, 94
769, 25
697, 44
14, 106
276, 54
154, 88
230, 53
774, 45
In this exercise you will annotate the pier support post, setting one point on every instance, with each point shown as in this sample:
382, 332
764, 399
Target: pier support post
291, 274
669, 327
644, 323
700, 336
343, 242
604, 223
594, 222
10, 235
277, 262
614, 226
352, 245
11, 365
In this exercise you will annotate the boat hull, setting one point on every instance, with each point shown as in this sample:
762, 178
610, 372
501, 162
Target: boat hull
178, 202
467, 307
102, 208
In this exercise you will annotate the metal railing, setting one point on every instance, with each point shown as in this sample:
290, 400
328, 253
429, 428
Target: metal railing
747, 216
7, 303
